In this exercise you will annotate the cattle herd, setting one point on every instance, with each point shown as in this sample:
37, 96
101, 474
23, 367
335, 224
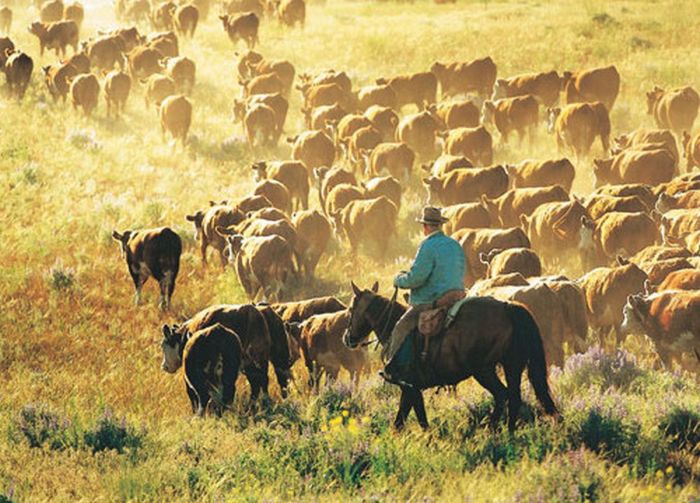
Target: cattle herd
631, 246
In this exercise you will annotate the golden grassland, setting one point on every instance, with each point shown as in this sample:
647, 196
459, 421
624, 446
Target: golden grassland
80, 364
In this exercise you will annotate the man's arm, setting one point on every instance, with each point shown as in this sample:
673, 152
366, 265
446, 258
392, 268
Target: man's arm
420, 270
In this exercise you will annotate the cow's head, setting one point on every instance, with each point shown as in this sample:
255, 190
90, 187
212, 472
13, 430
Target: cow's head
259, 171
499, 89
174, 339
123, 239
487, 111
224, 20
433, 186
552, 115
565, 79
666, 202
37, 28
196, 219
633, 315
437, 68
621, 142
653, 97
239, 110
234, 242
601, 171
586, 242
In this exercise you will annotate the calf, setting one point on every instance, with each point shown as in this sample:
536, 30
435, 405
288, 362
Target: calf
383, 186
313, 148
519, 114
576, 126
117, 88
597, 84
477, 241
418, 88
396, 159
152, 252
675, 109
533, 173
544, 87
84, 92
276, 192
205, 224
372, 221
211, 358
635, 166
467, 185
672, 322
507, 208
377, 95
242, 27
158, 87
473, 143
520, 260
455, 78
263, 263
313, 235
384, 119
58, 78
466, 216
615, 234
292, 174
182, 70
186, 19
56, 36
418, 132
327, 178
176, 117
18, 72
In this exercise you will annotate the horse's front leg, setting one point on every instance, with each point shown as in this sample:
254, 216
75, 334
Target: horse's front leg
419, 407
405, 405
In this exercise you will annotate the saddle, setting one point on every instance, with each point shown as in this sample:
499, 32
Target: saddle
433, 321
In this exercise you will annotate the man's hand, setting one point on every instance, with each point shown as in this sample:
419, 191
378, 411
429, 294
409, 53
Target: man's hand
396, 279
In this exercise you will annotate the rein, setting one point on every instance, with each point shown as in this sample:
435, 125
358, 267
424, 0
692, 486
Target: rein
388, 310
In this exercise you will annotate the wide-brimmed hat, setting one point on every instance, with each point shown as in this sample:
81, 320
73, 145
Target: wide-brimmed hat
431, 216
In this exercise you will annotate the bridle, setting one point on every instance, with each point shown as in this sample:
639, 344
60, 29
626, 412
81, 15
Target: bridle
388, 311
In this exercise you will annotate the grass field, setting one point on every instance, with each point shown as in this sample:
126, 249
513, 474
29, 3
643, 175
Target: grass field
87, 414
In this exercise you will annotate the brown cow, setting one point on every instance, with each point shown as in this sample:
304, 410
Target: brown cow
614, 234
642, 191
322, 117
56, 36
598, 205
606, 290
313, 234
473, 143
657, 271
445, 164
186, 19
646, 139
554, 228
18, 71
327, 178
377, 95
691, 145
678, 223
276, 102
328, 77
455, 78
298, 311
260, 125
384, 119
340, 196
5, 20
291, 12
691, 241
313, 148
161, 16
522, 260
205, 224
263, 263
74, 12
7, 47
152, 252
533, 173
51, 11
685, 200
483, 286
455, 114
675, 109
544, 87
467, 185
117, 88
276, 192
242, 6
576, 126
165, 43
659, 252
418, 88
144, 62
418, 132
519, 114
396, 159
477, 241
182, 70
361, 141
466, 216
672, 322
326, 94
242, 27
104, 52
292, 174
129, 38
261, 227
372, 221
158, 87
683, 279
84, 92
383, 186
635, 166
573, 303
597, 84
176, 117
58, 79
345, 127
320, 339
506, 209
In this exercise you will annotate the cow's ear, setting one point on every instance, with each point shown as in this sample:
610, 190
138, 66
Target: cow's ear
426, 181
524, 221
117, 236
167, 331
622, 260
587, 222
355, 289
375, 287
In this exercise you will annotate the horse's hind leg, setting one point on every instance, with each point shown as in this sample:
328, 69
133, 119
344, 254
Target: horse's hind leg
489, 380
514, 374
419, 407
405, 405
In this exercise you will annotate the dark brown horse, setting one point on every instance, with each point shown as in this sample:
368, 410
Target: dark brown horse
486, 332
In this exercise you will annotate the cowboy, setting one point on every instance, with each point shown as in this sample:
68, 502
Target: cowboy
438, 269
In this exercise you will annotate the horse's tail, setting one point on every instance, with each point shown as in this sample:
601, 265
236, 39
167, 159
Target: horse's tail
528, 341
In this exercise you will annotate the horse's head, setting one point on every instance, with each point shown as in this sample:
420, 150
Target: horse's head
358, 324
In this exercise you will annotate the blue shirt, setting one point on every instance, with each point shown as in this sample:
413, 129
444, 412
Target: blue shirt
438, 268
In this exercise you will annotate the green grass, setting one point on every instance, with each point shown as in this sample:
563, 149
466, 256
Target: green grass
72, 345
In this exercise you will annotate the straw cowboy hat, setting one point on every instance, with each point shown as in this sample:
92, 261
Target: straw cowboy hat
431, 216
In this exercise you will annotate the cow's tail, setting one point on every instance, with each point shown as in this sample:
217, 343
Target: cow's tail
528, 342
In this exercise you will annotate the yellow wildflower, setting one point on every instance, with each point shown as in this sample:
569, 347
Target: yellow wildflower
345, 413
669, 470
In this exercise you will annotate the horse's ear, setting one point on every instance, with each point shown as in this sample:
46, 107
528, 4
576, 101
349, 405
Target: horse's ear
355, 290
375, 287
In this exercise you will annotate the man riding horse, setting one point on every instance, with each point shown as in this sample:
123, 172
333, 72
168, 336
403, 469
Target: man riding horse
436, 279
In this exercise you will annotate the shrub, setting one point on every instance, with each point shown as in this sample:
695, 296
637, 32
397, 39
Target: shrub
42, 426
110, 433
596, 367
60, 277
682, 427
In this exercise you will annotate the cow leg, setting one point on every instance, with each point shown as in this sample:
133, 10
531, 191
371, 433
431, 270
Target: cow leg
488, 379
167, 285
405, 404
139, 280
194, 399
419, 407
514, 374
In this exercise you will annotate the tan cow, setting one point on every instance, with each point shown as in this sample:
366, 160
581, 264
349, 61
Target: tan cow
292, 174
484, 286
369, 221
260, 126
327, 178
182, 70
554, 229
327, 94
394, 158
456, 78
384, 119
467, 185
675, 109
162, 16
685, 200
276, 102
276, 192
417, 88
519, 114
205, 224
445, 164
144, 62
58, 79
678, 223
328, 77
263, 264
576, 126
418, 131
105, 52
282, 68
56, 36
573, 304
598, 205
322, 117
606, 290
362, 140
646, 139
242, 27
186, 19
506, 209
473, 143
5, 20
383, 186
614, 234
544, 87
340, 196
455, 114
313, 148
672, 322
657, 271
166, 43
84, 92
683, 279
522, 260
51, 11
597, 84
477, 241
466, 216
266, 83
117, 89
640, 190
313, 234
345, 127
176, 117
635, 166
377, 95
291, 12
74, 12
158, 87
534, 173
659, 252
